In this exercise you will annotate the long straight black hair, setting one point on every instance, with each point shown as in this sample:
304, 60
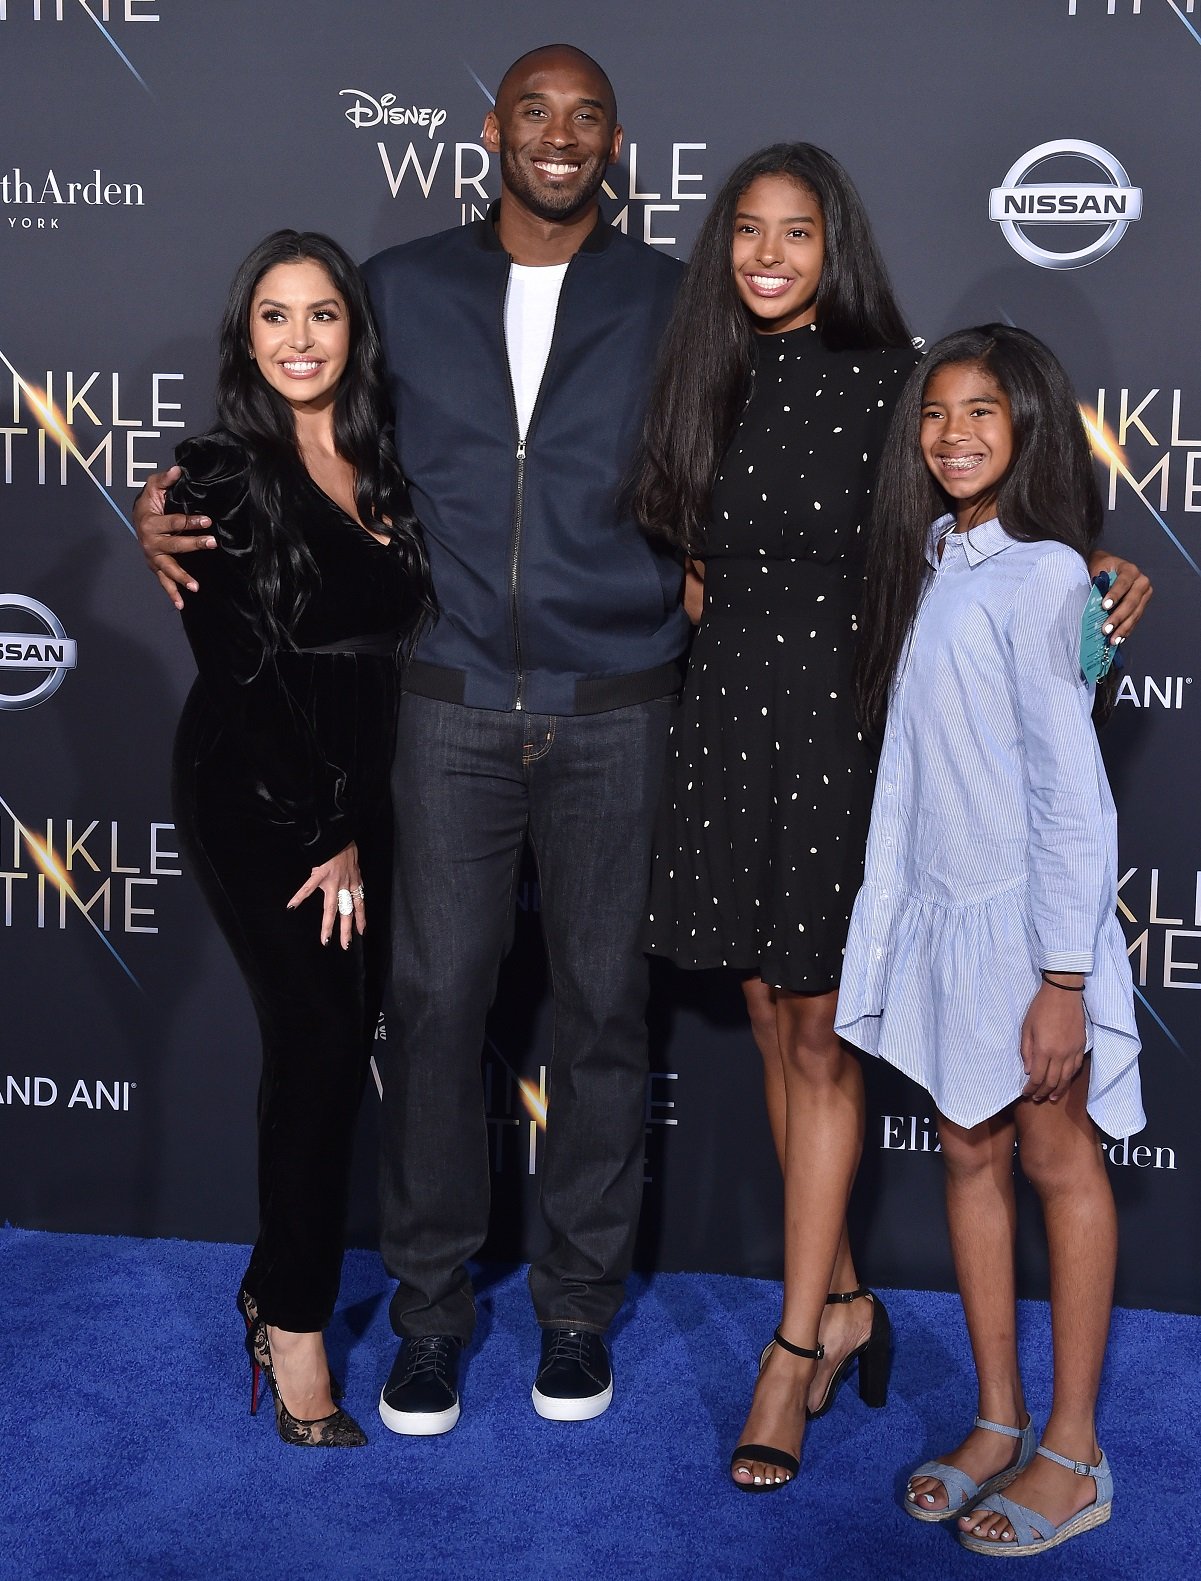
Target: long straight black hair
707, 355
1049, 492
284, 574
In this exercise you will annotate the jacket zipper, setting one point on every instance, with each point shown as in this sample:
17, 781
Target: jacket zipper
514, 552
518, 504
519, 489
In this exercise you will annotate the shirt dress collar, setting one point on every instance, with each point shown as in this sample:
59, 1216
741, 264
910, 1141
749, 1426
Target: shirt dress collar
979, 543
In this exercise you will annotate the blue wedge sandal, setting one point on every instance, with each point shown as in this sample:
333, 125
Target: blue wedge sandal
962, 1493
1035, 1533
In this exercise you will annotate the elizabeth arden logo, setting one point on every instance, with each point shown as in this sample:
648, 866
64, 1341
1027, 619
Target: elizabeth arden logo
49, 191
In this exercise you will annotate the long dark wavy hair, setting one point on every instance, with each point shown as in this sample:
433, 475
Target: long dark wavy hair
707, 356
284, 575
1049, 492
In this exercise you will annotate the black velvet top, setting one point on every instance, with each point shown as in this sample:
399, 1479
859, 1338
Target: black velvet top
305, 733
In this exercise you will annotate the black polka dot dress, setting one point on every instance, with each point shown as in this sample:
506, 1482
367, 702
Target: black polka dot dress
762, 830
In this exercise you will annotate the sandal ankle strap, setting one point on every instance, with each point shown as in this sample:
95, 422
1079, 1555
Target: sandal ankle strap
800, 1350
840, 1296
1080, 1467
1009, 1432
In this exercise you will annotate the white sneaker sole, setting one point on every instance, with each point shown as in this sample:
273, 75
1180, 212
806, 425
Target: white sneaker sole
555, 1409
418, 1424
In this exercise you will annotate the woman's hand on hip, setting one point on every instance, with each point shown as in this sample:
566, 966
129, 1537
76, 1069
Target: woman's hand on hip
1052, 1043
340, 875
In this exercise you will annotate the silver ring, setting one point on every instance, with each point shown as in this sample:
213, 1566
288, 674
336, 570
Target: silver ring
357, 892
345, 903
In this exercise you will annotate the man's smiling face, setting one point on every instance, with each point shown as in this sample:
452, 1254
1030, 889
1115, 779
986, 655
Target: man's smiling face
555, 129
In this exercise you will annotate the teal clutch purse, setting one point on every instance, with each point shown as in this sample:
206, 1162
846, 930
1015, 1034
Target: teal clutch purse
1096, 651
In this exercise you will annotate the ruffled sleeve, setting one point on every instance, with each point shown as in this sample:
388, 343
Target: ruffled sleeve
258, 692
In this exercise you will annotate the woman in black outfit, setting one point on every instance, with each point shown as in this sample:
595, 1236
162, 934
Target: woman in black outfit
282, 755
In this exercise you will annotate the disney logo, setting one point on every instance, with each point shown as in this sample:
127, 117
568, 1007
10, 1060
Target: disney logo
368, 111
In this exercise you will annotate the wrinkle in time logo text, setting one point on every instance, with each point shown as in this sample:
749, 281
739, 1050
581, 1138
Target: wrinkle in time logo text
1149, 453
102, 15
105, 430
463, 169
1129, 8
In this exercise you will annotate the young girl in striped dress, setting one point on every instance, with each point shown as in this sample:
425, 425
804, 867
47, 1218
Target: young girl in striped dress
985, 959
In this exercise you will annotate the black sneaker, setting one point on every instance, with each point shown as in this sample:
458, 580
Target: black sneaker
421, 1396
575, 1380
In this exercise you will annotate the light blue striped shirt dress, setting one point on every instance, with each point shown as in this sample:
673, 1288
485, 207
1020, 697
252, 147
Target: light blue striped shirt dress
993, 843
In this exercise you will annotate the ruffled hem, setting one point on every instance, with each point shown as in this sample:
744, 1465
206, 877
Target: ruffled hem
942, 993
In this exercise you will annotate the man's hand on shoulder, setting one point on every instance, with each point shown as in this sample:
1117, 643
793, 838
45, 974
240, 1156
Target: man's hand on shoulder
1129, 592
163, 537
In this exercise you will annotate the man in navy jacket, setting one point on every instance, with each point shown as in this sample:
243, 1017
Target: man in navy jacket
537, 707
519, 352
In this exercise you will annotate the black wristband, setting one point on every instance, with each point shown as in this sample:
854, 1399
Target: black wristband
1068, 988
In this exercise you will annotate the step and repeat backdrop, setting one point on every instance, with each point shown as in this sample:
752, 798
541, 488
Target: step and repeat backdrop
1027, 160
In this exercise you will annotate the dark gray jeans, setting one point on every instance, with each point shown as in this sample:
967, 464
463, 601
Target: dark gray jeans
469, 786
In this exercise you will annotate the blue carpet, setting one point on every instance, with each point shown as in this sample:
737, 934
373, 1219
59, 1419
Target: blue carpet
127, 1450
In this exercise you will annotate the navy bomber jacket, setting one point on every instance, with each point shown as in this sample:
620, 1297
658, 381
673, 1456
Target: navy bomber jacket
550, 597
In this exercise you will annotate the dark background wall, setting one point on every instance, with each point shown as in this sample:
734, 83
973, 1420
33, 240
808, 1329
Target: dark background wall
145, 145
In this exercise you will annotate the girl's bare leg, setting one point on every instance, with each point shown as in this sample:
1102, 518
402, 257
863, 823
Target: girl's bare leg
982, 1218
843, 1327
1061, 1158
761, 1011
822, 1142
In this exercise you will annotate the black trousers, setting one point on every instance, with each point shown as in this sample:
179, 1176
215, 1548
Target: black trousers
470, 786
317, 1008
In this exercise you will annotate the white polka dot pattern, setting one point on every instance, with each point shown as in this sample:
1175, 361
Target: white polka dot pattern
764, 818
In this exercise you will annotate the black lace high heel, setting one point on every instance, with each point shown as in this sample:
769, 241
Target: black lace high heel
874, 1356
249, 1310
338, 1430
767, 1452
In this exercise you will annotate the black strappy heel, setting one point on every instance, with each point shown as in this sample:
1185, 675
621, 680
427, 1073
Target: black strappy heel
874, 1356
767, 1452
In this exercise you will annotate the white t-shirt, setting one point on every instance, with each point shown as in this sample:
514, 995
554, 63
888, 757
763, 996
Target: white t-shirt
530, 306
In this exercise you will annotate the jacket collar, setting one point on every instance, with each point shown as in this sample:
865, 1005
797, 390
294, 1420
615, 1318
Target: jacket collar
979, 543
597, 240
